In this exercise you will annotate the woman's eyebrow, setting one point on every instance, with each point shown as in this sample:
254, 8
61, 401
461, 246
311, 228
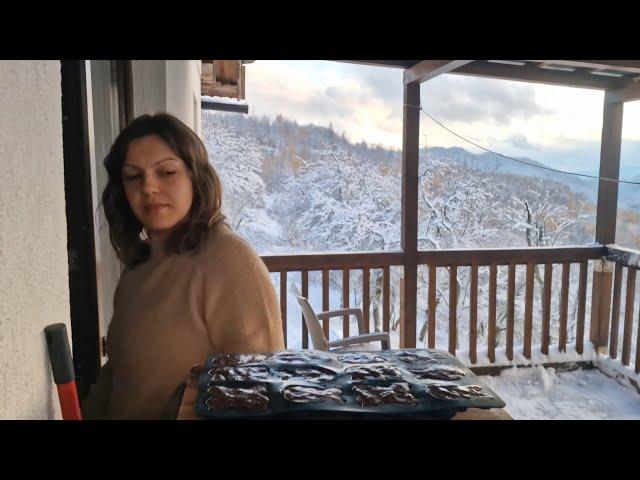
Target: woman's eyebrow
159, 161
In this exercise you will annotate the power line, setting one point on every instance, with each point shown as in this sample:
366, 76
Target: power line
522, 161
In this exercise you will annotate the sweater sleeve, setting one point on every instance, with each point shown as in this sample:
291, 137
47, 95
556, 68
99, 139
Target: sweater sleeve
96, 404
242, 313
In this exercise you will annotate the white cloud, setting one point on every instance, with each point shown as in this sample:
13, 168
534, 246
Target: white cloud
366, 103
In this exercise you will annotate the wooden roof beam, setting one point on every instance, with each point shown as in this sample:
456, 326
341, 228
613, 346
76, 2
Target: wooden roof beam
532, 73
428, 69
628, 66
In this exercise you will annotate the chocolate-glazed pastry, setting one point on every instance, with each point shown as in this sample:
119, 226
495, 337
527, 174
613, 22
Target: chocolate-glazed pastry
442, 372
300, 394
447, 391
300, 358
224, 398
313, 383
361, 357
419, 356
234, 360
373, 396
315, 375
373, 372
238, 374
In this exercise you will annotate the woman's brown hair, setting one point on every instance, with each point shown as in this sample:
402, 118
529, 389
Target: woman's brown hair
205, 212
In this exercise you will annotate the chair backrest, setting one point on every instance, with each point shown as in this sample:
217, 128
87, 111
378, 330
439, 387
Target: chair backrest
318, 339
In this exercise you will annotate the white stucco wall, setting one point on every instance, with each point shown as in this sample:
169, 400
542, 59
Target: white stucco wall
149, 87
171, 86
183, 91
34, 283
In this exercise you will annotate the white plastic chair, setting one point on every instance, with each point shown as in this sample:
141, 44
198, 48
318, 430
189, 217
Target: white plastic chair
320, 342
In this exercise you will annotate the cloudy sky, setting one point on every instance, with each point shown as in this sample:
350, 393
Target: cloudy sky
558, 126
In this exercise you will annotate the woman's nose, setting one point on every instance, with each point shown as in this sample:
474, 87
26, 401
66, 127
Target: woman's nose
149, 184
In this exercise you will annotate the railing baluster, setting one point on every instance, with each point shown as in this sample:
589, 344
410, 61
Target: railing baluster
305, 294
528, 312
345, 301
582, 305
432, 307
546, 307
638, 347
325, 301
473, 315
493, 259
386, 293
491, 346
283, 304
511, 294
366, 300
628, 315
564, 307
615, 312
453, 308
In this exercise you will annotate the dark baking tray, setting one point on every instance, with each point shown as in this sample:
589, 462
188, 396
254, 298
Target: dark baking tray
336, 363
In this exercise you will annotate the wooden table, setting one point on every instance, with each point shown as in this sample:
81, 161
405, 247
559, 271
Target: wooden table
186, 410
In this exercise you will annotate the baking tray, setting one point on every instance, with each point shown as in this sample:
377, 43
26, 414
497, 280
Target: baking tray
273, 381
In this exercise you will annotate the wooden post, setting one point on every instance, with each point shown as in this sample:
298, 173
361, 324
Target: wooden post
283, 304
607, 211
473, 314
453, 308
325, 301
345, 301
366, 290
305, 294
511, 293
491, 323
601, 304
582, 302
402, 307
386, 298
528, 312
432, 307
409, 199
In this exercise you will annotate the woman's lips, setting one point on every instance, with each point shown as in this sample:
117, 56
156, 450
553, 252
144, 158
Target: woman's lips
155, 208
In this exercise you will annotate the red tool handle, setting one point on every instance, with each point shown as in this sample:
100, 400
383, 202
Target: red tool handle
69, 403
63, 372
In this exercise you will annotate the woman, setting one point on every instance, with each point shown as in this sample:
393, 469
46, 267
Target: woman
190, 288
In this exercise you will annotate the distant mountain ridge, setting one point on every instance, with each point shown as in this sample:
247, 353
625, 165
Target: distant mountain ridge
272, 132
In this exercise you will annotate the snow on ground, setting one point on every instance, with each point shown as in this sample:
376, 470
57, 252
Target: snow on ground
536, 393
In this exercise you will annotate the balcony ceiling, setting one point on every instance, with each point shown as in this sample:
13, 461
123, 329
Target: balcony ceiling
595, 74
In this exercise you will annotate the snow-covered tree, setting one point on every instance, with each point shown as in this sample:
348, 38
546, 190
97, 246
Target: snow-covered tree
237, 158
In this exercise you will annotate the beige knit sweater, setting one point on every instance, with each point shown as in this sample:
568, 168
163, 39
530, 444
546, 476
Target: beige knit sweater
171, 313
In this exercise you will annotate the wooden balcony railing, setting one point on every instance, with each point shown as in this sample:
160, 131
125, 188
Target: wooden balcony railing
326, 263
559, 259
626, 261
492, 258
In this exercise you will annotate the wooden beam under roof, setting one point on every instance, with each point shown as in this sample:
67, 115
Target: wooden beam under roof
628, 66
530, 72
428, 69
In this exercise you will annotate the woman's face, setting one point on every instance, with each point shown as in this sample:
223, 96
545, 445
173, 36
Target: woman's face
157, 184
